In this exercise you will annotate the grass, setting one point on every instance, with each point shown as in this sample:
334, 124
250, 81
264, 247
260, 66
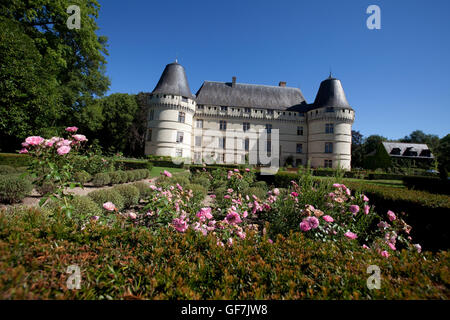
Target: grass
156, 171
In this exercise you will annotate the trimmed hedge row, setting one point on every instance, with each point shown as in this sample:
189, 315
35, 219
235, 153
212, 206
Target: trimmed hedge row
134, 164
119, 176
14, 159
14, 188
123, 263
434, 185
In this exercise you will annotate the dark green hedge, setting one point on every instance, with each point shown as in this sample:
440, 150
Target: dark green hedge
14, 160
134, 164
434, 185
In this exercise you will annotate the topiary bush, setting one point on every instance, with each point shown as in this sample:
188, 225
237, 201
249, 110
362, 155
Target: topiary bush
259, 192
108, 195
132, 175
82, 177
201, 180
144, 189
129, 193
261, 185
116, 177
13, 188
83, 207
123, 176
199, 191
101, 179
5, 169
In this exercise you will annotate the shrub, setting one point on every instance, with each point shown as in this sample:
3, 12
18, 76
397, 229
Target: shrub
199, 191
46, 187
5, 169
82, 177
83, 207
201, 180
434, 185
14, 159
142, 174
129, 193
144, 189
259, 192
261, 185
108, 195
101, 179
118, 177
14, 188
132, 175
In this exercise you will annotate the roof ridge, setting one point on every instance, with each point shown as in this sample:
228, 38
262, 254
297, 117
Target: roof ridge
252, 84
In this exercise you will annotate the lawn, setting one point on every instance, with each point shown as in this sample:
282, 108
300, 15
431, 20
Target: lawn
156, 171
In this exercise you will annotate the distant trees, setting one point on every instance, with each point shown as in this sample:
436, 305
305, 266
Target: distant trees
419, 136
443, 156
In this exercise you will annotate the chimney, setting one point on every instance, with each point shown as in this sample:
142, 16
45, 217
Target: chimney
282, 84
233, 82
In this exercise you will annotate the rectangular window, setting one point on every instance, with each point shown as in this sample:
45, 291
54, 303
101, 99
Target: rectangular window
299, 148
246, 126
246, 144
179, 153
180, 136
181, 117
149, 135
222, 142
329, 128
223, 125
199, 123
184, 99
328, 147
329, 109
299, 131
223, 108
247, 110
270, 111
197, 157
151, 114
200, 107
328, 164
268, 128
198, 141
298, 162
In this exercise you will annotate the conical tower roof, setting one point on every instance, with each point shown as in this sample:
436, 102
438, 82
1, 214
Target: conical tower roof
174, 81
331, 94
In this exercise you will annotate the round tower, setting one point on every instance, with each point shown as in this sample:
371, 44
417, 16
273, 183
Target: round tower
171, 109
330, 120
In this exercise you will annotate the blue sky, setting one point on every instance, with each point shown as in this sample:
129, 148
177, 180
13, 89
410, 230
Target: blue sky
397, 78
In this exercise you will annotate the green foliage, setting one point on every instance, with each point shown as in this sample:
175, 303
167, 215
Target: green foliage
132, 175
13, 188
46, 188
116, 177
101, 179
107, 195
4, 169
261, 185
443, 157
259, 192
202, 180
83, 208
15, 159
82, 177
129, 193
433, 185
144, 189
171, 265
199, 191
380, 159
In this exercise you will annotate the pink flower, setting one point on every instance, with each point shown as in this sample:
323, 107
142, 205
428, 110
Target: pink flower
328, 218
63, 143
180, 224
391, 215
305, 226
354, 208
383, 225
213, 196
230, 190
24, 144
365, 199
220, 243
230, 241
350, 235
109, 206
337, 185
167, 174
204, 213
366, 209
294, 194
276, 191
71, 129
241, 234
365, 247
233, 217
236, 170
23, 151
385, 254
34, 140
392, 246
270, 241
132, 215
247, 169
63, 150
227, 196
313, 222
95, 218
79, 137
418, 247
153, 187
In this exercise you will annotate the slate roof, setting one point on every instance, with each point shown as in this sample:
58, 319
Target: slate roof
249, 95
403, 148
330, 94
174, 81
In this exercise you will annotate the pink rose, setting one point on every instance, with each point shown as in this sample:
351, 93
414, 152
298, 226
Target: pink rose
213, 196
350, 235
24, 144
71, 129
79, 137
236, 170
247, 169
365, 247
313, 222
392, 246
418, 247
180, 224
385, 254
132, 215
365, 199
23, 151
305, 226
230, 190
109, 206
391, 215
167, 174
276, 191
233, 218
95, 218
328, 218
63, 150
270, 241
366, 209
34, 140
354, 208
230, 241
153, 187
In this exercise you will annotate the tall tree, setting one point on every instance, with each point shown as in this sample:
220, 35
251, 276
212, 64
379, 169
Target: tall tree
72, 59
419, 136
357, 149
443, 156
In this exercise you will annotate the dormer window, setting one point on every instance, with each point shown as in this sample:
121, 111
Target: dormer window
330, 109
